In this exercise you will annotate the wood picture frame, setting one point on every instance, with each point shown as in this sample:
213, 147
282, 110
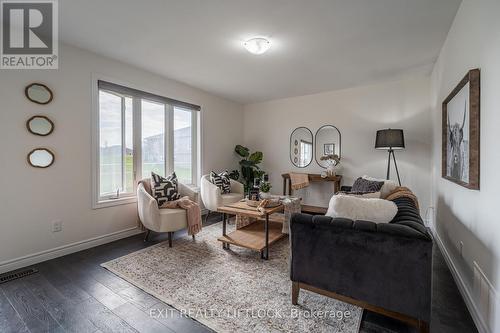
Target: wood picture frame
460, 157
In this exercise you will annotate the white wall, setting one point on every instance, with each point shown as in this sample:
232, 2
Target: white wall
467, 215
358, 113
31, 198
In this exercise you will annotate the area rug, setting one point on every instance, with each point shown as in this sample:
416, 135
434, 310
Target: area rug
232, 290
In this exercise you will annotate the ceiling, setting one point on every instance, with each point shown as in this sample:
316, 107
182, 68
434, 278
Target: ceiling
317, 45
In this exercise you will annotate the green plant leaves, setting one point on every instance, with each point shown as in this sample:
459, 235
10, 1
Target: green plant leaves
242, 151
256, 157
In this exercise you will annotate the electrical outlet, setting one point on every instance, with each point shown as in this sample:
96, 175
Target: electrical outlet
57, 226
461, 248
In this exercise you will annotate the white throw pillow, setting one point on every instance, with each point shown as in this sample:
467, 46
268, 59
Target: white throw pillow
373, 195
387, 188
367, 209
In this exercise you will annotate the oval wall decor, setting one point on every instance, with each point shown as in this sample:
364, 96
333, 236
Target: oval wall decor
40, 125
40, 158
39, 93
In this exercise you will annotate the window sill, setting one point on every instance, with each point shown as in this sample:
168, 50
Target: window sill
113, 202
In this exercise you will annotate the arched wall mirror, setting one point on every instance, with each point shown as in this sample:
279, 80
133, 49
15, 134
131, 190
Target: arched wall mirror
328, 141
40, 125
38, 93
40, 158
301, 147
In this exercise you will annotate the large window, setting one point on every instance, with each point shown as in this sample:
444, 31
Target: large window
139, 133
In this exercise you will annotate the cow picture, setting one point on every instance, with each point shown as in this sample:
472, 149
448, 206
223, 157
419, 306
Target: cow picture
458, 136
460, 126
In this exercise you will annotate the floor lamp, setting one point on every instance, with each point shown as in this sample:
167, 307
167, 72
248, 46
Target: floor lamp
390, 140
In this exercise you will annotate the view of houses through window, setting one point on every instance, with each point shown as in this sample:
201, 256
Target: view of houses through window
167, 142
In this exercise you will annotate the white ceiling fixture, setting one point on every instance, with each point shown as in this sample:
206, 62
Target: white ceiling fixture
257, 45
317, 45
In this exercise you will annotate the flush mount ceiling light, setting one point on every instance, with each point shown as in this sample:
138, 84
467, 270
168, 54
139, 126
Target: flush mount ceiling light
257, 45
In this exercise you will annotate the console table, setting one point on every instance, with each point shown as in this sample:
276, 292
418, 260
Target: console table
313, 177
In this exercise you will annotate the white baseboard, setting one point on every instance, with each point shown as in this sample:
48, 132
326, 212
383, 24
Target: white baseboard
465, 290
34, 258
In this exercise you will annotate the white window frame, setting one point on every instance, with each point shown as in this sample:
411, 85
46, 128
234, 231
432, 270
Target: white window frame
102, 202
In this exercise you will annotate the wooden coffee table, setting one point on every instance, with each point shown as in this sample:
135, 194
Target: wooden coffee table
257, 236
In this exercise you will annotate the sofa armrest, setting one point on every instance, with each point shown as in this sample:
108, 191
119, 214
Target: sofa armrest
237, 187
387, 265
185, 190
210, 194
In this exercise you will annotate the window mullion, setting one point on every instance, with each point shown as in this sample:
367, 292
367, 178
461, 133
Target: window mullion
194, 148
137, 139
169, 142
124, 144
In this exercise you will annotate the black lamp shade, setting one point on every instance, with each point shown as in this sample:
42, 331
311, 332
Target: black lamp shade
390, 139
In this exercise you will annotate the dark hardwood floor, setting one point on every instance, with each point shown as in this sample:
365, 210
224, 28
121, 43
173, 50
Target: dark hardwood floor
75, 294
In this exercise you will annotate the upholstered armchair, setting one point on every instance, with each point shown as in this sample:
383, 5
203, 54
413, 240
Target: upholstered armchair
161, 220
213, 198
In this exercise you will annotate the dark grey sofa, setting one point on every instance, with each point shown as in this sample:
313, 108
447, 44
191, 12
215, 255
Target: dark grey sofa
384, 267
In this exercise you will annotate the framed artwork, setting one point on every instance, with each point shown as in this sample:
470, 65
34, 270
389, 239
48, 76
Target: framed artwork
460, 132
328, 148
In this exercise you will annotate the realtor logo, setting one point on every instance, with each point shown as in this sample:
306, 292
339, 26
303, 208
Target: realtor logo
29, 34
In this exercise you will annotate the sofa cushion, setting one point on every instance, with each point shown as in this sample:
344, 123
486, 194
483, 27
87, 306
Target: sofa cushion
387, 188
368, 209
366, 186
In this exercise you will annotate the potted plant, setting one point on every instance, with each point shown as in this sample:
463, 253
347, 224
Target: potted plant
265, 187
249, 165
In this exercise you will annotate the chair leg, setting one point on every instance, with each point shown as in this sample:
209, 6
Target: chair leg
206, 217
170, 239
193, 237
148, 232
295, 292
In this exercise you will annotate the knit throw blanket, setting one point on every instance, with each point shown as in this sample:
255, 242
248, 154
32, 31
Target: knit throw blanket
403, 192
299, 180
193, 213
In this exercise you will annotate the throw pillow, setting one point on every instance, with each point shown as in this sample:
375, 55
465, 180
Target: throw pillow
354, 208
366, 186
222, 181
388, 187
164, 189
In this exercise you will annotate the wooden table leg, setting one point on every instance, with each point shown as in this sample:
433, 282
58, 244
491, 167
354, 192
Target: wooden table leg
267, 237
224, 221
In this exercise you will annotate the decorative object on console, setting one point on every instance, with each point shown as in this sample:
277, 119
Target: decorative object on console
221, 180
40, 158
39, 93
249, 165
333, 161
390, 139
164, 189
40, 125
328, 141
301, 147
460, 132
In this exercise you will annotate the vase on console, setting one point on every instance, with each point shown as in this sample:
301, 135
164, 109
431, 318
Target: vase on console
333, 161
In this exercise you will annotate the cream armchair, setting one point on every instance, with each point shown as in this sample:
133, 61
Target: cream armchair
213, 198
161, 220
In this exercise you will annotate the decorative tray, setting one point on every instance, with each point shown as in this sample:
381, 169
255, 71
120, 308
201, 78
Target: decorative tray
255, 203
